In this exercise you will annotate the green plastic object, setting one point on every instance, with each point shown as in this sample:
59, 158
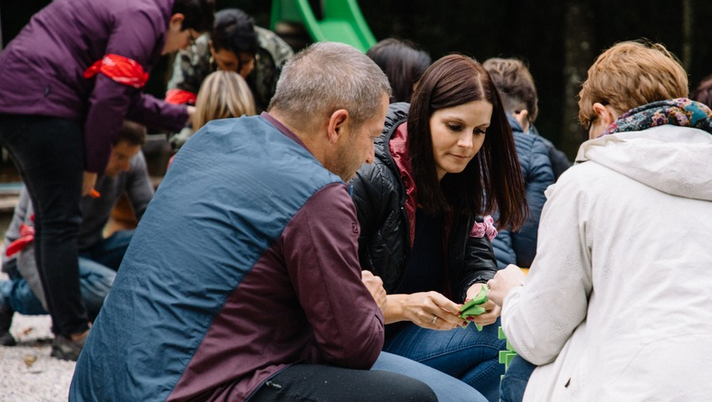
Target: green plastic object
505, 356
471, 308
342, 21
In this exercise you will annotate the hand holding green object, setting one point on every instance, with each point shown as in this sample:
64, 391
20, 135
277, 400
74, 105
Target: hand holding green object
471, 308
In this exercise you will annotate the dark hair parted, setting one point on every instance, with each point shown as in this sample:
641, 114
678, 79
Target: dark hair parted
199, 14
404, 64
493, 179
234, 31
132, 133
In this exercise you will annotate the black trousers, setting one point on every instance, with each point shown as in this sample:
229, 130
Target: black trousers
304, 382
49, 153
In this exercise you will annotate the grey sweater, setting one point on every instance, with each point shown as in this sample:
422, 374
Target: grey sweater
95, 211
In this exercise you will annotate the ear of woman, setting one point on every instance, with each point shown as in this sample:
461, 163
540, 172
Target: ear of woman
605, 116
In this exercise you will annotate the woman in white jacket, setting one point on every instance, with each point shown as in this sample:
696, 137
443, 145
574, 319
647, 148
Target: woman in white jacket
617, 305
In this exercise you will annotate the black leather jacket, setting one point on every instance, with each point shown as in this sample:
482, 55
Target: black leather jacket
384, 245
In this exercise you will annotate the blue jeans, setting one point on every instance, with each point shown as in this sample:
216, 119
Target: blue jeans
466, 354
97, 270
515, 380
49, 154
110, 251
447, 388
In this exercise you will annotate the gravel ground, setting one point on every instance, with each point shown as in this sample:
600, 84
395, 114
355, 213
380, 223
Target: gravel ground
27, 372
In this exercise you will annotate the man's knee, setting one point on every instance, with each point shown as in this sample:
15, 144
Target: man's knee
409, 389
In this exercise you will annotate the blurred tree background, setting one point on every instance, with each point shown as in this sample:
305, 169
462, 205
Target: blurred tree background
559, 39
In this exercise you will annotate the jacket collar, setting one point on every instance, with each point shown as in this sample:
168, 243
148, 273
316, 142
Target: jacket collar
399, 152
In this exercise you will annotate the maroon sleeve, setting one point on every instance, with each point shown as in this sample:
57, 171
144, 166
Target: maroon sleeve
137, 35
156, 113
320, 247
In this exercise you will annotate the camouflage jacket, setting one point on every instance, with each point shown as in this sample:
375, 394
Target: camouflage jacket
192, 65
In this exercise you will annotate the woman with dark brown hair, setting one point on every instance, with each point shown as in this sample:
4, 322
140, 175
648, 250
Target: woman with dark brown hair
438, 169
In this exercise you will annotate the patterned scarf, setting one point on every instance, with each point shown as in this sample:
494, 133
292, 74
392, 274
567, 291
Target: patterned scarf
678, 112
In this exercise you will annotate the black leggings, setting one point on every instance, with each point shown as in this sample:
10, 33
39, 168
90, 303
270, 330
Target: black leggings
49, 153
327, 383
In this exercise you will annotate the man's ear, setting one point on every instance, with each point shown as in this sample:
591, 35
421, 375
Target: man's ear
338, 121
605, 113
522, 116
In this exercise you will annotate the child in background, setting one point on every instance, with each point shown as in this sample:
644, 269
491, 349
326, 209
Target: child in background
519, 97
223, 94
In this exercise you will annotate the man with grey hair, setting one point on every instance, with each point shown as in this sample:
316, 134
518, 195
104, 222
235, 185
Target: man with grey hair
242, 281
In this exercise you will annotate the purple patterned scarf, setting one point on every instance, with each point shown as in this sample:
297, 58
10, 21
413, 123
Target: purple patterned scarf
678, 112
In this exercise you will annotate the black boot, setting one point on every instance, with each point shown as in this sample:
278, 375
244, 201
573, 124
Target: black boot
6, 313
66, 348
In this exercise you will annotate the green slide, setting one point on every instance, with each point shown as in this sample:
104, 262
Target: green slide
341, 21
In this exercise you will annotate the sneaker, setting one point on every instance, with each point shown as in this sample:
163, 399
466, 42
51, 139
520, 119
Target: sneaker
67, 349
6, 313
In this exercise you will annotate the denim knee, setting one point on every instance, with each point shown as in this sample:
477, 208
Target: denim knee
515, 380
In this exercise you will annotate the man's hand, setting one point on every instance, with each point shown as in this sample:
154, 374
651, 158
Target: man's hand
374, 284
88, 183
503, 282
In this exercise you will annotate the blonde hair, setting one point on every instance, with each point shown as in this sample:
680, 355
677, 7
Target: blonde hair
223, 94
631, 74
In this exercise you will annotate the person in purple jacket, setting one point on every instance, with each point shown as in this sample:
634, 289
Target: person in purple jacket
67, 82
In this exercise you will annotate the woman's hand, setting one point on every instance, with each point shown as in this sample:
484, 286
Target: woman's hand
88, 183
504, 281
425, 309
492, 310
